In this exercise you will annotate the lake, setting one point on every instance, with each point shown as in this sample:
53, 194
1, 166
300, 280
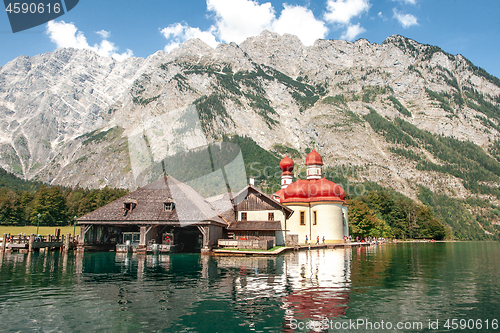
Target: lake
405, 287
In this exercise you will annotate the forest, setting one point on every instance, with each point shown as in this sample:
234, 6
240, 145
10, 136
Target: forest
24, 202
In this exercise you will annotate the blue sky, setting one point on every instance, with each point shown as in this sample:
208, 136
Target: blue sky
121, 28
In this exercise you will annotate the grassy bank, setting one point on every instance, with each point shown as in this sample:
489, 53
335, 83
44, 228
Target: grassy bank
6, 229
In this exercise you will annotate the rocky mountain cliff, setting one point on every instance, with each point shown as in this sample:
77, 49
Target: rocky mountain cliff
401, 114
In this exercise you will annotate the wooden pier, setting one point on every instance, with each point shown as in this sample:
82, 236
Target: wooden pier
31, 243
301, 247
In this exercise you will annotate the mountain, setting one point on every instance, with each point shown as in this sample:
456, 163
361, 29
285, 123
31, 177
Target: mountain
405, 115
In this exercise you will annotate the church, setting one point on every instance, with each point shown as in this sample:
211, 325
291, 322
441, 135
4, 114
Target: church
318, 204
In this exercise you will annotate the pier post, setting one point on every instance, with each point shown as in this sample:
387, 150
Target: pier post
142, 240
4, 242
66, 242
30, 244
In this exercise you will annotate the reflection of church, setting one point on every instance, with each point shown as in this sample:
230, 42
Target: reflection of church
318, 204
314, 285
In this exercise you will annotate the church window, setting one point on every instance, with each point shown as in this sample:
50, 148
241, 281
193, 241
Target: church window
315, 218
302, 218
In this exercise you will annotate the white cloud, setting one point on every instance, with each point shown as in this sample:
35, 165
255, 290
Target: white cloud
236, 20
67, 35
382, 16
300, 21
342, 11
352, 32
177, 33
407, 2
103, 33
406, 20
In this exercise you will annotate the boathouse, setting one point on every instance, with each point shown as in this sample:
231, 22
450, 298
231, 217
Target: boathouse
166, 211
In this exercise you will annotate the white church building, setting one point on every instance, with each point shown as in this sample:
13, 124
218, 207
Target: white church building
318, 204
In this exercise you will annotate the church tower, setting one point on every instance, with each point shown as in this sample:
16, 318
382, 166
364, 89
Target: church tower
314, 165
286, 166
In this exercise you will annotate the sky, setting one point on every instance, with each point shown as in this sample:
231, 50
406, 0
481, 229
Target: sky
121, 28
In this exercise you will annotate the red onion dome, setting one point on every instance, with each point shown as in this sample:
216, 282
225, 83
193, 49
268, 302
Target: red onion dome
313, 158
286, 164
313, 190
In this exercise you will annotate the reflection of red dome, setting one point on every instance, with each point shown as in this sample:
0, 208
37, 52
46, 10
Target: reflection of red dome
317, 303
286, 164
312, 190
313, 158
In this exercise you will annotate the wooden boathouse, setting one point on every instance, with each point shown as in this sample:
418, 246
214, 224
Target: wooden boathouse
165, 212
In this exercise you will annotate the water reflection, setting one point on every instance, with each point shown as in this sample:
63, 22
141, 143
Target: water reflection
80, 292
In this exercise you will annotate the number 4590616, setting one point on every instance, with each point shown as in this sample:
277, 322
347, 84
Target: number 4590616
454, 324
32, 8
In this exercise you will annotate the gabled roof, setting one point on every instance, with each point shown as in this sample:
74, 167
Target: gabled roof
223, 204
190, 206
250, 189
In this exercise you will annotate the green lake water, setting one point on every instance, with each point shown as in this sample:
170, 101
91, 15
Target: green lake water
411, 287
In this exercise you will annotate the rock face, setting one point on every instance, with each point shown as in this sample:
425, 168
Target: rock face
72, 117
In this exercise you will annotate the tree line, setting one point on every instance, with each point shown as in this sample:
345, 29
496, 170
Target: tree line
380, 214
52, 206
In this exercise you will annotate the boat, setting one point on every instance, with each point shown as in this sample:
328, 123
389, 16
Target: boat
130, 242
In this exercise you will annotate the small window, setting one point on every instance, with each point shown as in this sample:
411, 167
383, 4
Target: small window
302, 218
127, 207
168, 206
243, 216
315, 219
270, 216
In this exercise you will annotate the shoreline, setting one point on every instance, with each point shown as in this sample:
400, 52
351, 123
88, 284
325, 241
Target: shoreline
243, 252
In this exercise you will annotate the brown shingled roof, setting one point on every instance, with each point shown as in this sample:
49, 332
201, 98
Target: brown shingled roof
190, 206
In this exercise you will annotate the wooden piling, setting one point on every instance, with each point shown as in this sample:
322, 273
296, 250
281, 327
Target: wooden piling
66, 242
4, 242
30, 244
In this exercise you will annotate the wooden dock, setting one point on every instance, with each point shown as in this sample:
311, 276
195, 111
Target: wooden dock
31, 243
302, 247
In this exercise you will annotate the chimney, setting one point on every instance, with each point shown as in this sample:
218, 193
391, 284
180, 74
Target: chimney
252, 181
